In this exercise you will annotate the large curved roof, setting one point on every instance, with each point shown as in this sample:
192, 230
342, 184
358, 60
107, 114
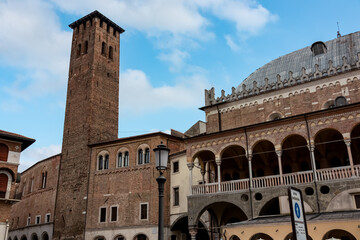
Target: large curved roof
346, 46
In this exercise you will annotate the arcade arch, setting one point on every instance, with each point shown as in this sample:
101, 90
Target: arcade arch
264, 159
330, 149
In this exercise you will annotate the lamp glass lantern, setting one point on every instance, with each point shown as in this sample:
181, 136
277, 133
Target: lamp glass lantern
161, 157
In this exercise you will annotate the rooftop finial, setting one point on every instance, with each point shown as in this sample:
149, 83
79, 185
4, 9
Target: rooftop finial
338, 32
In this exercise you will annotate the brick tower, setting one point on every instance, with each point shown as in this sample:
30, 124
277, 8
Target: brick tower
91, 115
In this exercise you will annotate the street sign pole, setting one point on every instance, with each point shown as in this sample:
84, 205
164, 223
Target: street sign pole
298, 220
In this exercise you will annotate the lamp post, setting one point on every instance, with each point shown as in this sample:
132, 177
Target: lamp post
161, 160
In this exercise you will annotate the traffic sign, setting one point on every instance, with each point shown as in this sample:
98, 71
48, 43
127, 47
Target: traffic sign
298, 220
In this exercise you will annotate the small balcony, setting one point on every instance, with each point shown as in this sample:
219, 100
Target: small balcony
290, 179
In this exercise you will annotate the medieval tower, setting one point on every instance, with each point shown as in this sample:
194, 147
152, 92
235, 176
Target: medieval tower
91, 115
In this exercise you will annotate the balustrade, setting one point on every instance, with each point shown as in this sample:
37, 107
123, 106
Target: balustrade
327, 174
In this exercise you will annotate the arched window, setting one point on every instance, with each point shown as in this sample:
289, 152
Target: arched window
274, 116
86, 47
147, 155
340, 101
78, 50
3, 184
106, 162
111, 52
126, 159
4, 151
120, 160
318, 48
103, 48
43, 180
100, 162
140, 156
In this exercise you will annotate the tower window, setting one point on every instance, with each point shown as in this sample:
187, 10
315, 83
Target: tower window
78, 50
318, 48
86, 47
111, 52
103, 47
108, 28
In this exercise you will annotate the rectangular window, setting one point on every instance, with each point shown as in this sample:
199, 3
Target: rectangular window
47, 217
357, 201
144, 211
176, 196
175, 167
28, 221
114, 213
103, 214
37, 219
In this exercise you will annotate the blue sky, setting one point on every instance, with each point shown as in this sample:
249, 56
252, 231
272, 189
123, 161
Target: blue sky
170, 52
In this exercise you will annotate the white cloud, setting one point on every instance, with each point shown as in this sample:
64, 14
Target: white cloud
32, 155
175, 58
231, 43
31, 39
248, 15
179, 17
138, 96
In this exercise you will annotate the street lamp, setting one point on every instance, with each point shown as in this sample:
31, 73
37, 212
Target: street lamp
161, 161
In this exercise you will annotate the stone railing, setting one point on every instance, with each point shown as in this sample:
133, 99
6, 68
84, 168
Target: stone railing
328, 174
298, 178
235, 185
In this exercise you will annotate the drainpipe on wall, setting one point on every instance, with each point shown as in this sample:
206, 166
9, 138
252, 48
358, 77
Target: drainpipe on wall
6, 229
250, 176
312, 159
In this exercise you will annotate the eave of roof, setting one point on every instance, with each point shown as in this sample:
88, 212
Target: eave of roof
26, 142
132, 138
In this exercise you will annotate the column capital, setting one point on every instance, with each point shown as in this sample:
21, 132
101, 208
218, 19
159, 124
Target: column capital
347, 142
193, 232
311, 147
249, 156
278, 152
190, 165
218, 161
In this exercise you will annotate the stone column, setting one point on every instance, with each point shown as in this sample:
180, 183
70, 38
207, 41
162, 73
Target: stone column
348, 146
312, 158
207, 172
190, 165
193, 232
278, 153
218, 163
250, 170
